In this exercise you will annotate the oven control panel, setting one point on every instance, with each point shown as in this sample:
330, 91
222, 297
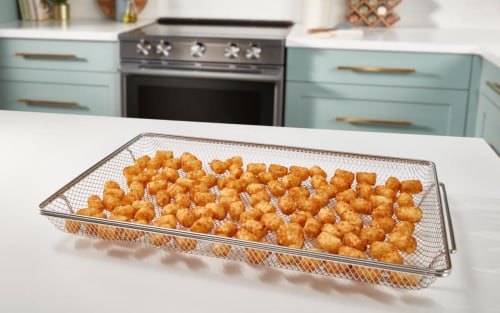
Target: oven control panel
223, 51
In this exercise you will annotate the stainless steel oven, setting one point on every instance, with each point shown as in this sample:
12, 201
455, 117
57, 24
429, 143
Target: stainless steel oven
204, 70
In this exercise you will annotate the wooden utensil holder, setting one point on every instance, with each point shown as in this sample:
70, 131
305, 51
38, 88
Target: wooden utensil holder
372, 12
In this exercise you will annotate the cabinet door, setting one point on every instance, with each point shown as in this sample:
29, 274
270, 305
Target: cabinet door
59, 92
488, 122
371, 108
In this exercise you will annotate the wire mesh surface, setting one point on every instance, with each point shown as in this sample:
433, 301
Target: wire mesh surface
420, 269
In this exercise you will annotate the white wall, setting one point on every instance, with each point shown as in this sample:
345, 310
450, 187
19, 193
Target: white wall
414, 13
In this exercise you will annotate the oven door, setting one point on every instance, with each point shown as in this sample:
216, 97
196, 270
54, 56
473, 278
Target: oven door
223, 94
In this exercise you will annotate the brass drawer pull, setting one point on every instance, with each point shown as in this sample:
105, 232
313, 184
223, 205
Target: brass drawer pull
46, 56
494, 86
369, 69
48, 102
356, 120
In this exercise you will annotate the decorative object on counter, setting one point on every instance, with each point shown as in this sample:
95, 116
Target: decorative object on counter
372, 12
126, 11
109, 7
35, 10
61, 10
317, 14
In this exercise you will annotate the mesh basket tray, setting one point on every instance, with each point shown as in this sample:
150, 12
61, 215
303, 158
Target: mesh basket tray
420, 269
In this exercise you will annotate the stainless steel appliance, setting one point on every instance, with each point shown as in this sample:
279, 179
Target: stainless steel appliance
227, 71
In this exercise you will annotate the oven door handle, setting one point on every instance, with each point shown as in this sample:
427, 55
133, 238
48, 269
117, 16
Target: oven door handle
276, 76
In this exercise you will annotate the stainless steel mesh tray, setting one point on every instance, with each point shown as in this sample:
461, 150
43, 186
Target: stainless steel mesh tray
420, 269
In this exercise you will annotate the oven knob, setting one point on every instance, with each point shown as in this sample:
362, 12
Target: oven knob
143, 47
198, 49
163, 48
232, 51
253, 52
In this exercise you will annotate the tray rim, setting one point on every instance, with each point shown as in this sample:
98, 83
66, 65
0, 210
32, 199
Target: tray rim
258, 245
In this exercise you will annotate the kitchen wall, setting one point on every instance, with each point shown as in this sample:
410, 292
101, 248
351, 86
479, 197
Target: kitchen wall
414, 13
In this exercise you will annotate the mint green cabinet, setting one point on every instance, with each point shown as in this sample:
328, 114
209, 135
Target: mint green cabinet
419, 93
488, 113
76, 77
8, 12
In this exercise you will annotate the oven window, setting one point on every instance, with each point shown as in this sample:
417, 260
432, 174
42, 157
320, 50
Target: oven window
200, 100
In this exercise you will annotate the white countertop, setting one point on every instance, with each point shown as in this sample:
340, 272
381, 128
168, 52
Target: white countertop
434, 40
74, 29
45, 270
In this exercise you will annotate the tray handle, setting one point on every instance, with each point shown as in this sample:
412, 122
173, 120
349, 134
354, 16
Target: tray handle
451, 233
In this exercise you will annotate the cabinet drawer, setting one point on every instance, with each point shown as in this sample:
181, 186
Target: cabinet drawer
59, 92
59, 55
488, 123
451, 71
402, 110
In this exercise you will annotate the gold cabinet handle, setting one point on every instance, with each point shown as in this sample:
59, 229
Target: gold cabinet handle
46, 56
494, 86
369, 69
356, 120
47, 102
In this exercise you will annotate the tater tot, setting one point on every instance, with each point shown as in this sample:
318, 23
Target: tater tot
170, 208
312, 227
218, 166
168, 221
386, 223
203, 225
386, 192
132, 170
320, 199
248, 178
255, 188
301, 171
200, 211
220, 211
191, 165
361, 206
368, 274
379, 248
298, 192
330, 228
329, 242
412, 186
344, 227
265, 177
310, 264
369, 178
256, 168
347, 176
352, 240
156, 185
339, 268
111, 184
300, 217
182, 199
265, 207
403, 242
381, 200
170, 174
353, 218
291, 180
197, 174
327, 215
185, 182
318, 181
272, 221
220, 249
235, 170
290, 235
341, 207
111, 232
127, 211
234, 160
278, 170
287, 205
276, 188
203, 198
382, 211
405, 200
174, 189
287, 259
162, 198
392, 257
72, 226
174, 163
393, 183
244, 234
159, 240
316, 170
95, 202
405, 227
185, 217
365, 190
154, 163
252, 214
404, 279
255, 227
410, 214
308, 205
226, 229
340, 183
235, 209
371, 234
346, 195
132, 234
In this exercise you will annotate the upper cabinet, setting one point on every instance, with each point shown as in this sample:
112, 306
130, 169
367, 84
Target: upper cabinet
488, 114
421, 93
